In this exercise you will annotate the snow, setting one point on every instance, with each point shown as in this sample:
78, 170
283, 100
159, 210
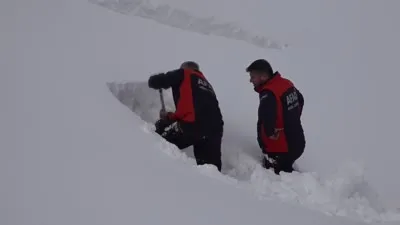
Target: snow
71, 153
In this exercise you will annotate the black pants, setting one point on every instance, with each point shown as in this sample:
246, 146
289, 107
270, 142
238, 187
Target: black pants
208, 151
283, 161
206, 148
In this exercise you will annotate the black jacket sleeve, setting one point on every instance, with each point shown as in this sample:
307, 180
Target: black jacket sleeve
166, 80
301, 101
267, 112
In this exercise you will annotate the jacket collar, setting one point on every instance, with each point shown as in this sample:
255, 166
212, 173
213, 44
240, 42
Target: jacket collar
274, 77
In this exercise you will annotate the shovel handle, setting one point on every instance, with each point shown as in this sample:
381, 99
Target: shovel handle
162, 100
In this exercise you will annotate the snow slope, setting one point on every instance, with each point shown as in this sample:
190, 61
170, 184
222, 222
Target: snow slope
342, 54
71, 153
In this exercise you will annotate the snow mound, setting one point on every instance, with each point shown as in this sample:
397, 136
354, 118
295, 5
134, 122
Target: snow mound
142, 100
345, 193
178, 18
145, 102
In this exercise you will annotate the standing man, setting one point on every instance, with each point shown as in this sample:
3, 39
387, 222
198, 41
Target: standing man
197, 120
279, 130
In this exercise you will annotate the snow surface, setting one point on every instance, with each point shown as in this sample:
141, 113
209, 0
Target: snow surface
71, 153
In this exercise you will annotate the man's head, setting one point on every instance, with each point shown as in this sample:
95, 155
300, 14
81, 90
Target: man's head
260, 71
190, 65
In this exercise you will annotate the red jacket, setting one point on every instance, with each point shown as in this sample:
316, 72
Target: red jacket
279, 126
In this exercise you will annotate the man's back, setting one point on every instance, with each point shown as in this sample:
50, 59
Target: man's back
195, 100
292, 105
206, 106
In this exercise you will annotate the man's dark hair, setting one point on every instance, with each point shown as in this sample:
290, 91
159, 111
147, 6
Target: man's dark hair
260, 65
190, 64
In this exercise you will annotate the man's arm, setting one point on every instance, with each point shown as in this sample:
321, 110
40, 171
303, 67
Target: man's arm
166, 80
301, 101
267, 112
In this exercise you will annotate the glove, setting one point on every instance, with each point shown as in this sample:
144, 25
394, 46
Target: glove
161, 124
269, 162
276, 134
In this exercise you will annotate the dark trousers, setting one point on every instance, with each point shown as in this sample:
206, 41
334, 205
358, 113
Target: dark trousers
206, 148
208, 151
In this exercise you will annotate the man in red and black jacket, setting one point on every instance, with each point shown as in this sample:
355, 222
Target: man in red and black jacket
197, 119
280, 132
